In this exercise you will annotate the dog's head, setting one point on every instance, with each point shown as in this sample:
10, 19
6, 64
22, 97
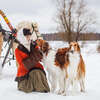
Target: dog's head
61, 58
40, 42
44, 46
74, 47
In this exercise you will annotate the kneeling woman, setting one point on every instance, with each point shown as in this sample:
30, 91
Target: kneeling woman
30, 75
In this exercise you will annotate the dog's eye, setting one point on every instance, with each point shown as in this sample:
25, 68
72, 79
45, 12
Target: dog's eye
75, 45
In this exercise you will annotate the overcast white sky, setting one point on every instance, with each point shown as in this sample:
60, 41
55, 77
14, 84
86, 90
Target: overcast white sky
41, 11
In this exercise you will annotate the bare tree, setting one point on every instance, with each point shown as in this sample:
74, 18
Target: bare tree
73, 17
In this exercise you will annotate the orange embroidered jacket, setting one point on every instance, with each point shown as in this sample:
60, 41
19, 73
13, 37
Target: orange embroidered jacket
22, 70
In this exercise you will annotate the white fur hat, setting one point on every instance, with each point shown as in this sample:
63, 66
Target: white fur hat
22, 39
28, 24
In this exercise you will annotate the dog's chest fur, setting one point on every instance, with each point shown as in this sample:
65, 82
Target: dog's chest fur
74, 59
49, 59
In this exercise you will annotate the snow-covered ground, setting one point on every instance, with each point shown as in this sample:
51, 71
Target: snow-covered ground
8, 87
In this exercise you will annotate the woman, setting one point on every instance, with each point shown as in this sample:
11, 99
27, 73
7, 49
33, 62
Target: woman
33, 26
30, 75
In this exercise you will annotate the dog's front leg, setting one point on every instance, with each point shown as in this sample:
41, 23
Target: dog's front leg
61, 85
74, 83
82, 85
53, 83
67, 84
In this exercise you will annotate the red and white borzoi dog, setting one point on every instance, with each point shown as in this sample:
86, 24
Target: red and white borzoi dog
55, 62
65, 66
76, 68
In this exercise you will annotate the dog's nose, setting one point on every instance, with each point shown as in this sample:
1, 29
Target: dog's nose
72, 51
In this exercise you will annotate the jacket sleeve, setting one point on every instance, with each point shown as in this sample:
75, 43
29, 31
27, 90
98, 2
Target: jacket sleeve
19, 58
25, 61
34, 58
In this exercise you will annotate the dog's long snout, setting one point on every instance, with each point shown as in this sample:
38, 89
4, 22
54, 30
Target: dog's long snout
72, 49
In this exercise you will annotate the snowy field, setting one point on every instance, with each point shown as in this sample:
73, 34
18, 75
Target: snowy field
8, 87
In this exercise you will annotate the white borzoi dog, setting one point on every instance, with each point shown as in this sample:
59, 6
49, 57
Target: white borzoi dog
55, 63
75, 69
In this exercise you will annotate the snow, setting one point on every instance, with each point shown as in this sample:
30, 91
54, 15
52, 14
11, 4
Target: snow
8, 87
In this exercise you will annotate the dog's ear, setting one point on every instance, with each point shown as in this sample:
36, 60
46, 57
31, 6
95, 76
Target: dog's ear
70, 45
40, 42
45, 46
78, 47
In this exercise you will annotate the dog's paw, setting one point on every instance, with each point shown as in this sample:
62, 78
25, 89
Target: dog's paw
61, 92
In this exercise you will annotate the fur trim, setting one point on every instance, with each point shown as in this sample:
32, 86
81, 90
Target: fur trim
28, 24
24, 24
23, 40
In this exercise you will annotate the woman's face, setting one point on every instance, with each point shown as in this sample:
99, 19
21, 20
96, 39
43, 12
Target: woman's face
28, 37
